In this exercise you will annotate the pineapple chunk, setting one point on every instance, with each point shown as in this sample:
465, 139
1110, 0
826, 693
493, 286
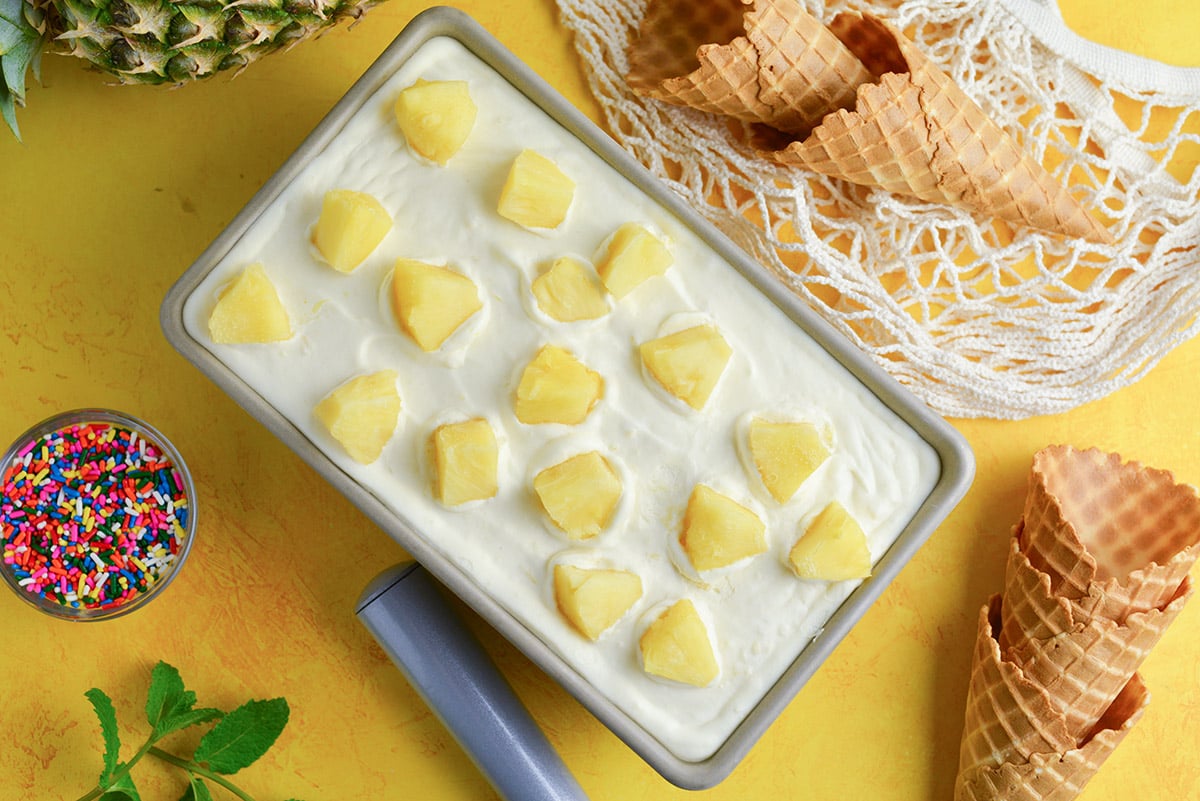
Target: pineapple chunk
592, 600
785, 454
634, 255
436, 117
676, 646
568, 292
834, 548
688, 363
536, 193
362, 413
249, 310
464, 462
718, 531
557, 388
351, 226
431, 302
579, 494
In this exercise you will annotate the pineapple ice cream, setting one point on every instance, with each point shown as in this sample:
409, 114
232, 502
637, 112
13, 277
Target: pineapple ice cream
568, 394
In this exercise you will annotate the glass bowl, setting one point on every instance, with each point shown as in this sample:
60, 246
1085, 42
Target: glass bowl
97, 514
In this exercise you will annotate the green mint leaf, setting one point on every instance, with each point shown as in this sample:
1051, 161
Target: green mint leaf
108, 729
192, 717
166, 697
196, 790
242, 736
122, 790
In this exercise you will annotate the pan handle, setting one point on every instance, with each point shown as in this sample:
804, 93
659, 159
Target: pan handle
405, 611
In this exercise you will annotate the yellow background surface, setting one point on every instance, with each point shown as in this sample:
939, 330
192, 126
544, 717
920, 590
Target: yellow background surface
116, 191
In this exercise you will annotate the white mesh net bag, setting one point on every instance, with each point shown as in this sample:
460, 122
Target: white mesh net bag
977, 320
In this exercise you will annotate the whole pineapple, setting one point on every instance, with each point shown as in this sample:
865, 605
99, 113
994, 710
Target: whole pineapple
154, 41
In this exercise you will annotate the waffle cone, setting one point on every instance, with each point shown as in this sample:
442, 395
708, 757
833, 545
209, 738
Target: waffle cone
1009, 718
915, 132
1085, 667
1097, 571
1033, 610
1119, 535
1057, 776
1030, 609
766, 61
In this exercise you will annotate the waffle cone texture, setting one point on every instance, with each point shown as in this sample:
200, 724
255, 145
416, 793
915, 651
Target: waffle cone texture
764, 61
853, 100
1098, 569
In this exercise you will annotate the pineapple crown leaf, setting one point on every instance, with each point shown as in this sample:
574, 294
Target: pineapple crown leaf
8, 111
20, 52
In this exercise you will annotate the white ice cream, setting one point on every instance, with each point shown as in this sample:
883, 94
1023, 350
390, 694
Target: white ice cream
761, 615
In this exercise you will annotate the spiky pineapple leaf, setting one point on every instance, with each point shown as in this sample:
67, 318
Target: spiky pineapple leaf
8, 111
17, 57
20, 49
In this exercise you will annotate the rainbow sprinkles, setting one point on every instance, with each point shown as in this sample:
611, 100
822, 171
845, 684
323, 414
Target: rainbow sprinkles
93, 515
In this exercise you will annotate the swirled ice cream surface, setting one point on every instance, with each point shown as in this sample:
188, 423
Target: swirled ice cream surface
760, 615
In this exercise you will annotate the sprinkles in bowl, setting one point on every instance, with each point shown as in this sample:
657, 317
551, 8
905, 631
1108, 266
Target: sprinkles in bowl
95, 514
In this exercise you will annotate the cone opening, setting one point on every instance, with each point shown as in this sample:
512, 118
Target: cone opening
1127, 517
995, 604
1124, 711
672, 33
871, 41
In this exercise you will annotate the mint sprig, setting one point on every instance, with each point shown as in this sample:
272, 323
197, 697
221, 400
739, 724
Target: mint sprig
237, 740
108, 728
242, 736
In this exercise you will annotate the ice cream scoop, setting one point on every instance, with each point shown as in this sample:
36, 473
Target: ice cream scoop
404, 609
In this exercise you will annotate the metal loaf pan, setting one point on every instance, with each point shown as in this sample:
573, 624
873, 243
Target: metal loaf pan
956, 468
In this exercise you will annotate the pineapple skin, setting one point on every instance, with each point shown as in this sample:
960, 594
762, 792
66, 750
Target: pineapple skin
156, 41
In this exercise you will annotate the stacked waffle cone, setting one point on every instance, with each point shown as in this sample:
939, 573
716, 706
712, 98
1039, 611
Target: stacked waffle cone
1098, 568
854, 100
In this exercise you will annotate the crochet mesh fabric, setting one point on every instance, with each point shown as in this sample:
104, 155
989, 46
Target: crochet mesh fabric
977, 318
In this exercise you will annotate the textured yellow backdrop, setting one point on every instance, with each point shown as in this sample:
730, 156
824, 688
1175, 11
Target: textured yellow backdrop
116, 191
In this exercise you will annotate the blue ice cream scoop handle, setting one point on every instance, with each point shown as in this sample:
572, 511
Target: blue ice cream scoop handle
406, 612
